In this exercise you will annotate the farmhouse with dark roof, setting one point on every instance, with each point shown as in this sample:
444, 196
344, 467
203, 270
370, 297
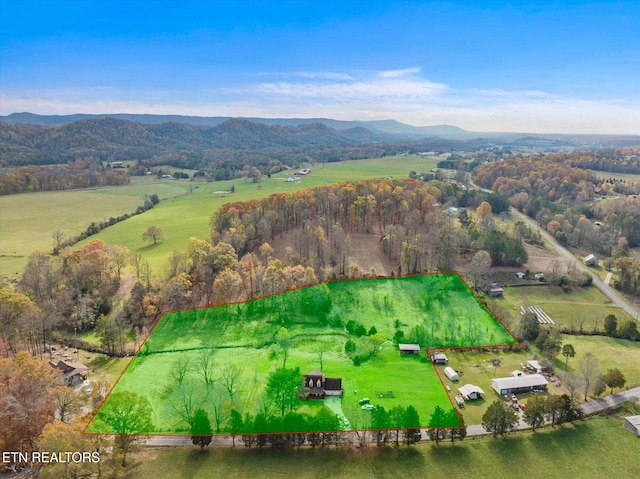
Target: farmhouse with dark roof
316, 385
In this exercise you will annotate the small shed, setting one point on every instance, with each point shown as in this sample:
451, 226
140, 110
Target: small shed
471, 392
409, 348
632, 423
451, 373
494, 290
591, 260
535, 366
440, 358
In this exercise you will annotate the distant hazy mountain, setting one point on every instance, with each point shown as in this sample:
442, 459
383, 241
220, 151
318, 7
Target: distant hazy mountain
105, 137
385, 127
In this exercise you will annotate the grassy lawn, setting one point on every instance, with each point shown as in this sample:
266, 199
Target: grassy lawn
104, 368
586, 305
596, 448
27, 220
611, 353
440, 306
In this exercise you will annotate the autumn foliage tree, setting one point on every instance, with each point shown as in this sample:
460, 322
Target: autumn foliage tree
153, 234
26, 401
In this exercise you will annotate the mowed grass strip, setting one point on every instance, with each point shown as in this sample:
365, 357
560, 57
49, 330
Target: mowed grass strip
246, 335
595, 448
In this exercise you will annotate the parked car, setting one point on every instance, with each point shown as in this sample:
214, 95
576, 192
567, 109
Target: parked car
368, 407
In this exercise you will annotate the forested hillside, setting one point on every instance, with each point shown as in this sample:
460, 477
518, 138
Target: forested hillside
110, 139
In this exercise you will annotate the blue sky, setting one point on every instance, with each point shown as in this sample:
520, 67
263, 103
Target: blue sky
570, 67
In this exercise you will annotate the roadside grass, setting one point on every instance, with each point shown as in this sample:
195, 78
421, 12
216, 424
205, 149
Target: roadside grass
595, 448
245, 335
568, 310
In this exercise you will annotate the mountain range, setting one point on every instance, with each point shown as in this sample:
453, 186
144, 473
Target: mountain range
26, 138
385, 127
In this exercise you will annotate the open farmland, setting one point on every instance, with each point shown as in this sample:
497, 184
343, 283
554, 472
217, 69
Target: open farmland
434, 310
29, 219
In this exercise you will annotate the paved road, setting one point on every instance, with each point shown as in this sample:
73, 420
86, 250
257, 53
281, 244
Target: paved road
588, 409
564, 252
605, 288
606, 402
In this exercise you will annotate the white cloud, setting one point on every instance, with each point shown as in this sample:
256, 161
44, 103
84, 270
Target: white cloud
359, 95
398, 73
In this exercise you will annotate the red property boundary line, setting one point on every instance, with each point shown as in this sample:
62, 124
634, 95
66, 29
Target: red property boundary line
427, 350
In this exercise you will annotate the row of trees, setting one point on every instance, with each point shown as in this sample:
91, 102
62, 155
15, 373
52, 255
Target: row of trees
500, 417
85, 173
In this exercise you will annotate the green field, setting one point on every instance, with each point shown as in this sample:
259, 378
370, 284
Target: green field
438, 309
27, 220
582, 305
596, 448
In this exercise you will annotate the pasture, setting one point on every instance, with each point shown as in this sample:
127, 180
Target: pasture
437, 308
597, 448
27, 220
586, 307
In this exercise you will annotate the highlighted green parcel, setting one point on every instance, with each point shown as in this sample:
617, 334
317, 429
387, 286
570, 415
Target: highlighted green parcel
337, 356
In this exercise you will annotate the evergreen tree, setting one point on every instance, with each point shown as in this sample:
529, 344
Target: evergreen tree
201, 432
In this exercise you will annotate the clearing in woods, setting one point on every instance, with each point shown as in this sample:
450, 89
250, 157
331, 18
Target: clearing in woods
345, 328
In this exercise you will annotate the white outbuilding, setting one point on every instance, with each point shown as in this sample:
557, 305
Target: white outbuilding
632, 423
591, 260
470, 392
451, 373
519, 384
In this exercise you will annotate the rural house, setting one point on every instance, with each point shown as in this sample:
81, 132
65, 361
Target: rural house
519, 384
316, 385
71, 372
494, 290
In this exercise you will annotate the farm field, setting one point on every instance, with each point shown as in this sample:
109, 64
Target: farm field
434, 310
28, 220
600, 446
188, 216
568, 310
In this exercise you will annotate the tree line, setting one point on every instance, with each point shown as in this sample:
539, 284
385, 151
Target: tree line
81, 173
